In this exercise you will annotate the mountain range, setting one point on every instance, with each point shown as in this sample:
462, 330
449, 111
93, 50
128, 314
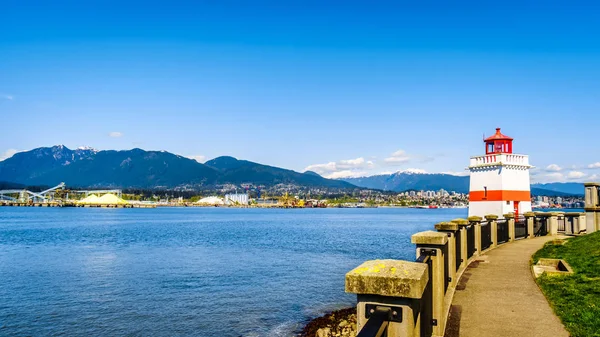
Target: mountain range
403, 181
89, 168
136, 168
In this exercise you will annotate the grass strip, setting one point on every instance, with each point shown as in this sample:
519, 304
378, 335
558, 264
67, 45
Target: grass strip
575, 298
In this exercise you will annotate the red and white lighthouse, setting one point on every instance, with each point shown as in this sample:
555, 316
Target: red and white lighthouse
499, 180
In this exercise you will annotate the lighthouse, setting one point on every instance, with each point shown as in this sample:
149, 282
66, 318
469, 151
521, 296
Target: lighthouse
499, 181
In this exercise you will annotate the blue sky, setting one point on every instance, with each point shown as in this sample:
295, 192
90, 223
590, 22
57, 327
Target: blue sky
343, 88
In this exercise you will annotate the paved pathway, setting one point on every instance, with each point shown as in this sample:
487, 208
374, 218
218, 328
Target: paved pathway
497, 296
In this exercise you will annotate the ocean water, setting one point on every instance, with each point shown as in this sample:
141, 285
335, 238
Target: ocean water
189, 271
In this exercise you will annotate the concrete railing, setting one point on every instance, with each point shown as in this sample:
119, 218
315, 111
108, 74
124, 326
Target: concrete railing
574, 222
592, 207
413, 298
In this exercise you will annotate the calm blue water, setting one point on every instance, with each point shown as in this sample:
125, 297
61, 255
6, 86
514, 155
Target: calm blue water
188, 271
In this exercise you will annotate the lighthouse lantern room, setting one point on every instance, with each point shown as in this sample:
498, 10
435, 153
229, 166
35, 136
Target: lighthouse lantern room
499, 181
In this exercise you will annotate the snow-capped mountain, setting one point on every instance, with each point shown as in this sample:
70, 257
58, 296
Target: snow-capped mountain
88, 167
413, 179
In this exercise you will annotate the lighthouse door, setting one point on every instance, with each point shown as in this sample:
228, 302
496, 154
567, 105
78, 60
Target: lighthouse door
516, 203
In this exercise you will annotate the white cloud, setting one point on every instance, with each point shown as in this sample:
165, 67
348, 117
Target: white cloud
398, 157
7, 154
355, 163
553, 168
321, 168
550, 177
594, 165
342, 168
576, 175
198, 158
346, 174
115, 134
8, 97
558, 177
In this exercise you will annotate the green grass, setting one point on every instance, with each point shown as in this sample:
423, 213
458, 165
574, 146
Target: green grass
575, 298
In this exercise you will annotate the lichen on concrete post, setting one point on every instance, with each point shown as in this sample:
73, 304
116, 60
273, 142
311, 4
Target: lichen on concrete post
476, 222
530, 219
390, 283
510, 220
493, 220
437, 242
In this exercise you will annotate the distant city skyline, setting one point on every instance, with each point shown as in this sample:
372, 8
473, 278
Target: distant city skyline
342, 89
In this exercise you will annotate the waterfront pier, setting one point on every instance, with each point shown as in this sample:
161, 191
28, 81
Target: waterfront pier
465, 268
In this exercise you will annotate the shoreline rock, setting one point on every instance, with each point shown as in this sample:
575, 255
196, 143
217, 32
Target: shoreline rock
339, 323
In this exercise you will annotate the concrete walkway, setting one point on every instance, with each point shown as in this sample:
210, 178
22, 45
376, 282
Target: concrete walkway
497, 296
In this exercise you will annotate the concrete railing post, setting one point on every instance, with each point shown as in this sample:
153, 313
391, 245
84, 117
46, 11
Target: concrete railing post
476, 222
394, 285
510, 220
435, 245
493, 220
530, 219
592, 207
581, 225
591, 195
561, 219
553, 223
462, 225
571, 223
452, 230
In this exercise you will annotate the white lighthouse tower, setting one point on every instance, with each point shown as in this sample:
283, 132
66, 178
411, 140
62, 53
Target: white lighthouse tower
499, 180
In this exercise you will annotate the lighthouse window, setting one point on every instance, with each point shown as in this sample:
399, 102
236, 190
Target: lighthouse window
508, 202
485, 192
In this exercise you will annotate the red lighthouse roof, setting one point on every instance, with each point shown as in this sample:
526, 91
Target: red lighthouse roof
498, 143
497, 136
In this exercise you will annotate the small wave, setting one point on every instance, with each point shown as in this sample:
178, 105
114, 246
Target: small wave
286, 329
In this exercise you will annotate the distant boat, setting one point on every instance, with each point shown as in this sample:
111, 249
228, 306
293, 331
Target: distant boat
433, 206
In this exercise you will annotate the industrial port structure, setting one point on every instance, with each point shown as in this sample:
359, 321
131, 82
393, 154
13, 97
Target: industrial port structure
24, 196
58, 196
